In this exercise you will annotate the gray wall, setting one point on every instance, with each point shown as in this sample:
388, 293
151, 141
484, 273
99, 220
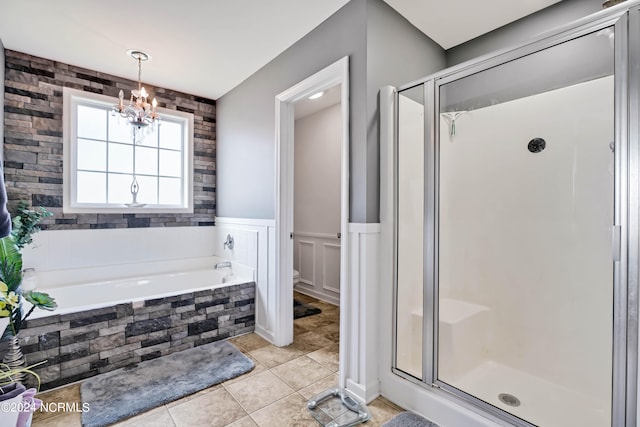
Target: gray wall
246, 116
383, 49
523, 29
397, 53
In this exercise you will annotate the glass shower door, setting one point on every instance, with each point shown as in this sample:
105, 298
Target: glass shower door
525, 210
410, 229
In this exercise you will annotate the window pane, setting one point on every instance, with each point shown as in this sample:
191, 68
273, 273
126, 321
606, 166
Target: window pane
149, 137
170, 163
92, 187
148, 190
120, 158
171, 135
120, 188
92, 155
119, 130
92, 122
170, 191
146, 161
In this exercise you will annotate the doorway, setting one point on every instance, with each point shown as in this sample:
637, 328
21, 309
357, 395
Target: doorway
316, 207
334, 76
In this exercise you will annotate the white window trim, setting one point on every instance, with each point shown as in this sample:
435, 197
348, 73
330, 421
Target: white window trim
73, 97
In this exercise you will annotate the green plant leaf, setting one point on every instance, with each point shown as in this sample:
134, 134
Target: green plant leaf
6, 373
10, 263
41, 300
25, 224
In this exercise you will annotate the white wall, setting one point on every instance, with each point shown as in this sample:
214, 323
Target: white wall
317, 151
113, 253
529, 235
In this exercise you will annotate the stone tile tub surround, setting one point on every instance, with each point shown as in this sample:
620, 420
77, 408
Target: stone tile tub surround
78, 343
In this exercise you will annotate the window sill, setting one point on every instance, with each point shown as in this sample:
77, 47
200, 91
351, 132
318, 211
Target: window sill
159, 209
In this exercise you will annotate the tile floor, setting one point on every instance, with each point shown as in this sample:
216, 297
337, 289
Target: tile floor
274, 393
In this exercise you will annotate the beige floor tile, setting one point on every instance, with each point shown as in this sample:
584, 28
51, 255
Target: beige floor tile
217, 408
387, 402
68, 419
288, 412
243, 422
330, 332
271, 356
300, 372
319, 386
308, 342
381, 413
258, 391
297, 329
249, 342
314, 322
158, 417
67, 394
327, 357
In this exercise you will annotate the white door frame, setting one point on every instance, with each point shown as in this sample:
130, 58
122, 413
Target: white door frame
336, 73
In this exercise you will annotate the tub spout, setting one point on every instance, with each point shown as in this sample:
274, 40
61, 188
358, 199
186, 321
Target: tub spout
223, 264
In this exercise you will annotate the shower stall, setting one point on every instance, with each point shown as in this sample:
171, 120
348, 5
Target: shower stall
515, 224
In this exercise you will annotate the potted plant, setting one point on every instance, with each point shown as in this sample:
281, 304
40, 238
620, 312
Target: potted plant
18, 402
24, 226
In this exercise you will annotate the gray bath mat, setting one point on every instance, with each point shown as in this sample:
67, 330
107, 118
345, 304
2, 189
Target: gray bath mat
301, 309
130, 391
408, 419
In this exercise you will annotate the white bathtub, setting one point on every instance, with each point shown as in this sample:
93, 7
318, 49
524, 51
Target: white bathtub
86, 289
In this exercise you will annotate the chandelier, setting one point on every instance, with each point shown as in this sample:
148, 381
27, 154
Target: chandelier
139, 113
142, 117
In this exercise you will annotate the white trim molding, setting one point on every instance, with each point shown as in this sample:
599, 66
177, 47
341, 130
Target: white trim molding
334, 74
359, 314
302, 271
72, 99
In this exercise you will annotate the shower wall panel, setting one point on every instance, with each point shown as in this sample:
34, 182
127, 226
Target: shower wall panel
525, 237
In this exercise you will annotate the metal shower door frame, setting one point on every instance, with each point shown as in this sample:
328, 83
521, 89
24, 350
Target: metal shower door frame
626, 21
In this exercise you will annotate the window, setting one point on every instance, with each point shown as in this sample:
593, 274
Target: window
101, 159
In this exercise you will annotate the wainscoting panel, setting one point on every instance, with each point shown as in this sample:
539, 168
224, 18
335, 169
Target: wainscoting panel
361, 314
254, 246
306, 261
331, 267
317, 258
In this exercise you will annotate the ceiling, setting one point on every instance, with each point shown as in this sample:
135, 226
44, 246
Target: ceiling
210, 47
307, 106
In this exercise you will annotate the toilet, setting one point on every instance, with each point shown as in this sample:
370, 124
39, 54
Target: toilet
296, 277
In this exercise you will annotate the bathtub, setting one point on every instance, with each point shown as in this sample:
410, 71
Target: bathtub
108, 323
86, 289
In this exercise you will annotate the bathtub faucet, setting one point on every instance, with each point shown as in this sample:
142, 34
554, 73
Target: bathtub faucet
229, 242
223, 264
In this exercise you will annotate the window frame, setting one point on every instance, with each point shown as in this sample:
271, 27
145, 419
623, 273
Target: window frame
72, 98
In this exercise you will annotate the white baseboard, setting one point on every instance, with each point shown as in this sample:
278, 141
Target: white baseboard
331, 299
261, 332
